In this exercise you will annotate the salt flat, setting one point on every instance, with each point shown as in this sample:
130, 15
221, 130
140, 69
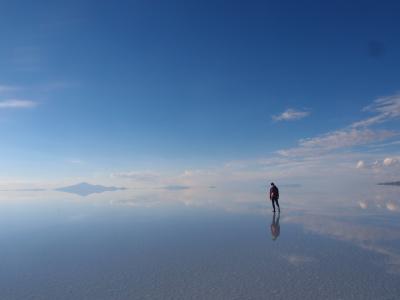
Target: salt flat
203, 244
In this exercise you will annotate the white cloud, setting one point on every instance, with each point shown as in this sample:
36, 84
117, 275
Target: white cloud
360, 164
291, 115
17, 103
392, 206
357, 134
345, 138
363, 204
315, 159
390, 161
382, 169
387, 108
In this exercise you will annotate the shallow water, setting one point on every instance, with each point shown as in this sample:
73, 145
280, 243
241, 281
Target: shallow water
200, 244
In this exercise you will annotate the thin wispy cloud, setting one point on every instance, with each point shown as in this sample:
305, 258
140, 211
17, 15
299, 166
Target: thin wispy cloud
338, 153
75, 161
336, 140
386, 109
357, 134
17, 103
382, 145
291, 115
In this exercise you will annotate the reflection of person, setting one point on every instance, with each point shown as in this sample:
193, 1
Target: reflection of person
275, 227
274, 196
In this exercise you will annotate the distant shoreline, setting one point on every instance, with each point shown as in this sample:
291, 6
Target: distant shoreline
397, 183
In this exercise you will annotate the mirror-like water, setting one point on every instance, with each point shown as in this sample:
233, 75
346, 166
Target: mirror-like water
200, 244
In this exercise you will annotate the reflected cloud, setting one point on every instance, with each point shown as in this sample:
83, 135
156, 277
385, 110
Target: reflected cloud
358, 216
392, 257
392, 206
363, 204
367, 236
139, 201
344, 229
24, 190
297, 260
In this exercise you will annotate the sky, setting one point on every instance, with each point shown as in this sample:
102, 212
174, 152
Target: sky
140, 93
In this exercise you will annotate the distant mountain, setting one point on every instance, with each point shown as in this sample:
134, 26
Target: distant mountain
85, 189
176, 187
390, 183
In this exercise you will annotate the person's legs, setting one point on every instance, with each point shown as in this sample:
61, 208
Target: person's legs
277, 203
273, 204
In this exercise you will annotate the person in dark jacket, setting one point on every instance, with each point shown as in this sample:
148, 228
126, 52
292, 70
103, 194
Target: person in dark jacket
274, 196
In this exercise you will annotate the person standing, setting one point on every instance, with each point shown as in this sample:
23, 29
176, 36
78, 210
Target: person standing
274, 196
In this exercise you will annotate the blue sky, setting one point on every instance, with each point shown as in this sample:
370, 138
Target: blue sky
100, 89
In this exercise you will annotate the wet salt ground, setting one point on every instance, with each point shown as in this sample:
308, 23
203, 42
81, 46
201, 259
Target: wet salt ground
194, 253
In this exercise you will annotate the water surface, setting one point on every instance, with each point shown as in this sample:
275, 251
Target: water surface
200, 244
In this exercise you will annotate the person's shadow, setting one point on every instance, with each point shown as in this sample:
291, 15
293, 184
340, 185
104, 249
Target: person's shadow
275, 227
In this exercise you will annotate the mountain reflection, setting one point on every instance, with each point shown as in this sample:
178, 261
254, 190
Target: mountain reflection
367, 218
